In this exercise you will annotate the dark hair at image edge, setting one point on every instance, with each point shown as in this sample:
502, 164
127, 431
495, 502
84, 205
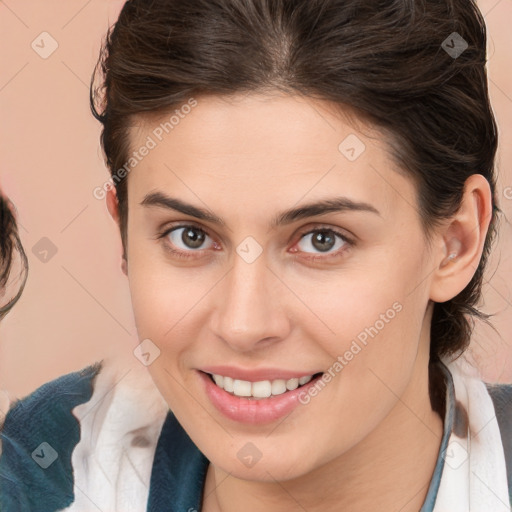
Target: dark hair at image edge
380, 60
12, 255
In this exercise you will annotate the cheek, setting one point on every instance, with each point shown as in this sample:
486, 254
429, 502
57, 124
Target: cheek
163, 308
171, 307
369, 319
159, 293
363, 304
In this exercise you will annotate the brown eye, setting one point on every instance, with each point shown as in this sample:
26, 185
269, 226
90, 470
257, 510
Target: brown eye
322, 240
187, 237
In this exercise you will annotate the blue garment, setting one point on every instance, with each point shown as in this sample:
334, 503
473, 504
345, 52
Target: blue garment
42, 417
179, 468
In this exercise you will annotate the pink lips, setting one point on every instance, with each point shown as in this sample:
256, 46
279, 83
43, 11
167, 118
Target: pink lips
250, 410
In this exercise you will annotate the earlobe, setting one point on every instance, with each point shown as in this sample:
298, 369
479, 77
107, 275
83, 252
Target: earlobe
124, 266
462, 241
113, 204
113, 209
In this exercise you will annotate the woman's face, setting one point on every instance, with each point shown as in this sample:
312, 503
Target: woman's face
255, 293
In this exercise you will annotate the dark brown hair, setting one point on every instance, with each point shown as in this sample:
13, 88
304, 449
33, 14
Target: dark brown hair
387, 61
13, 260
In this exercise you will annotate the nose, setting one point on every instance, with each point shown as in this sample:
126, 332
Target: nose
251, 311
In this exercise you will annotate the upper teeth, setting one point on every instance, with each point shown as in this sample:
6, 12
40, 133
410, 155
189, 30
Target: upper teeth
261, 389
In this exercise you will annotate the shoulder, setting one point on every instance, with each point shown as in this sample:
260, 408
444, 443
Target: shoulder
38, 435
501, 395
50, 397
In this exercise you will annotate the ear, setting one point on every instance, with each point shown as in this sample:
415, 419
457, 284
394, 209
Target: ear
461, 241
113, 204
113, 209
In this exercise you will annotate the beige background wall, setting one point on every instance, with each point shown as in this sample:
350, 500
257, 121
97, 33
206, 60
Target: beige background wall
76, 307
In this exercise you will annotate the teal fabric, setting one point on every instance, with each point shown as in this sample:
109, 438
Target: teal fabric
178, 473
179, 467
42, 417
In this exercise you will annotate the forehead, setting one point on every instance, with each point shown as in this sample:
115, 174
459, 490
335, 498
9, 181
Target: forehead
278, 149
242, 124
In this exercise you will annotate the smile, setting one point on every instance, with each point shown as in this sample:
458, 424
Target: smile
255, 396
260, 389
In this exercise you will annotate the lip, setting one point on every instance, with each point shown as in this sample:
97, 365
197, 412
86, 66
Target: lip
253, 411
256, 375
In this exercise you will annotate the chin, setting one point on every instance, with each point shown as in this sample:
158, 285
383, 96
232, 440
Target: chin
275, 467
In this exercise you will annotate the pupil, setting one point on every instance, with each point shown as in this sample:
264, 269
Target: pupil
193, 238
321, 238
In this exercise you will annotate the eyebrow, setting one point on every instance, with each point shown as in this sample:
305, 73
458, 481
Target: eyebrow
331, 205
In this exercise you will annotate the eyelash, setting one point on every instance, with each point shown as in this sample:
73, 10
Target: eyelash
348, 242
